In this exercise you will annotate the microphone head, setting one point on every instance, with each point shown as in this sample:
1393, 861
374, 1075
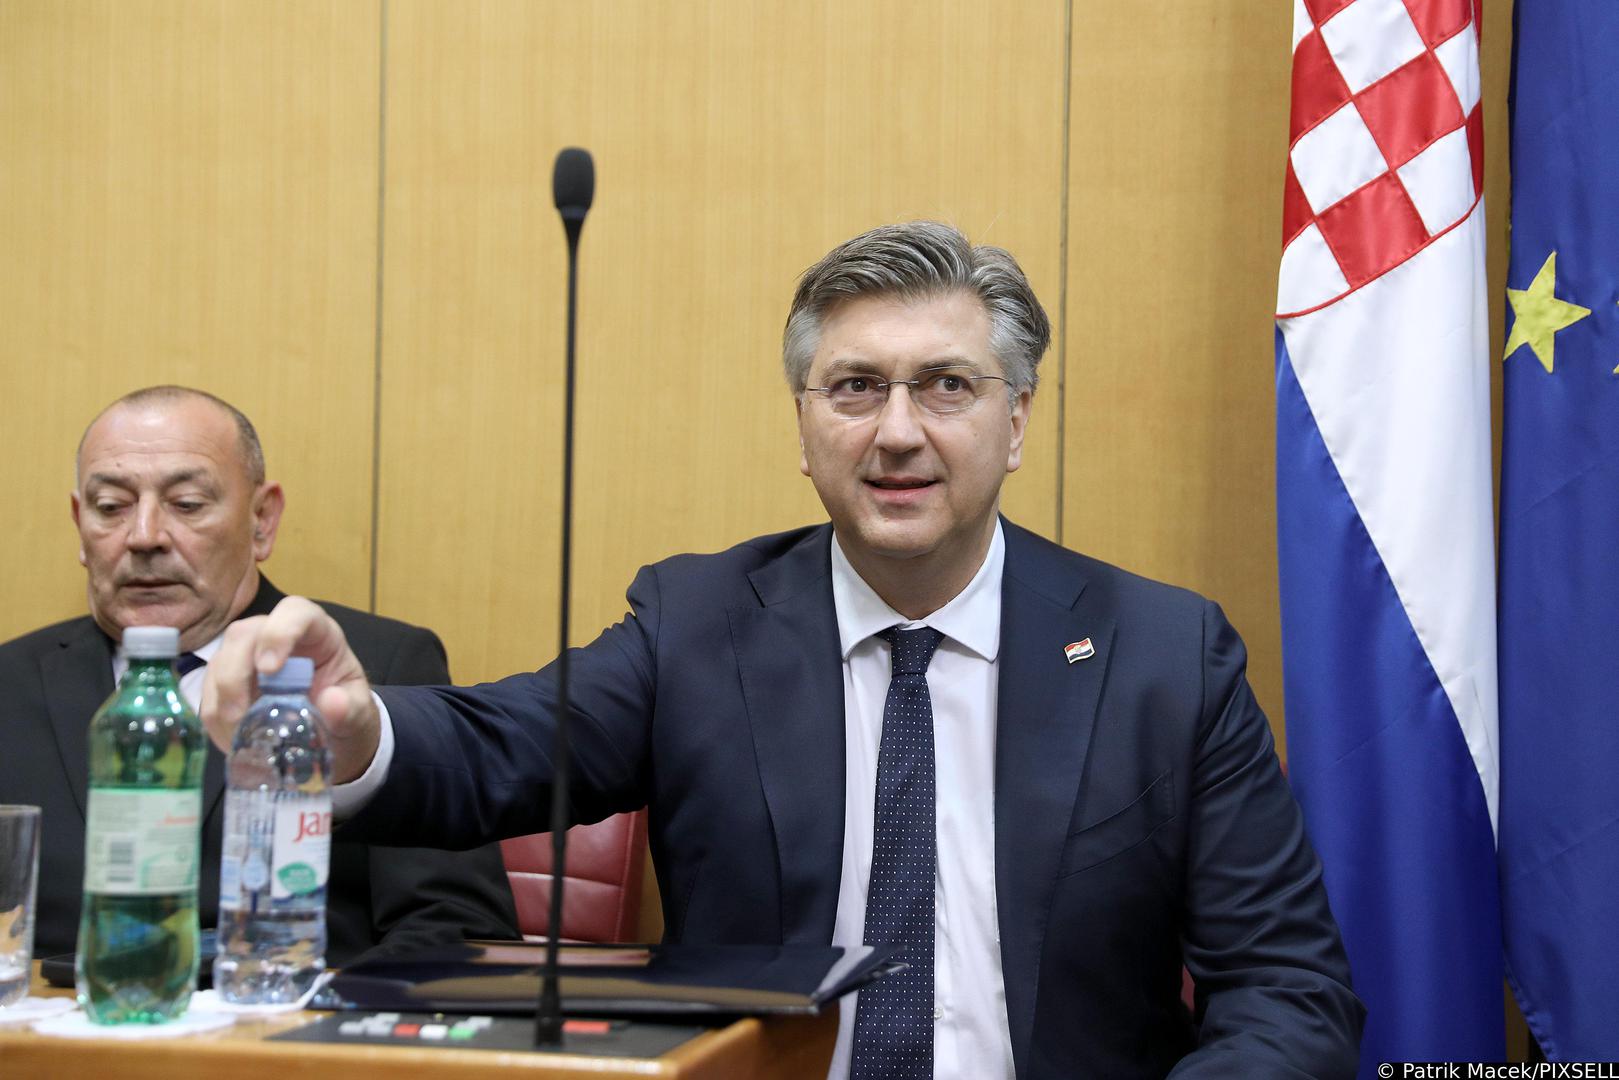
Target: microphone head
573, 183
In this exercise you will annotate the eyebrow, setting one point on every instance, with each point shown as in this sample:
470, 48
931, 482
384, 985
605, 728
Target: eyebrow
174, 479
859, 365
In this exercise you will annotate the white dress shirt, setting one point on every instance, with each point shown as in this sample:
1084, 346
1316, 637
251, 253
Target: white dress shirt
971, 1037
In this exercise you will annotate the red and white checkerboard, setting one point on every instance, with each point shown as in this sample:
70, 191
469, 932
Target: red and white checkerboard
1387, 142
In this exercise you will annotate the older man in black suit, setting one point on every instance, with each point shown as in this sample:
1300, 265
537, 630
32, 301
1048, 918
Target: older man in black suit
174, 515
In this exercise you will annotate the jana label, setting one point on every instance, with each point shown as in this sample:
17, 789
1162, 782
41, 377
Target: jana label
283, 847
303, 847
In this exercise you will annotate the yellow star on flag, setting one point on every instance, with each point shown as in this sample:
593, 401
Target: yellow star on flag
1538, 314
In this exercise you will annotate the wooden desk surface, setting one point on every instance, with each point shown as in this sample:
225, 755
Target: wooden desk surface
788, 1047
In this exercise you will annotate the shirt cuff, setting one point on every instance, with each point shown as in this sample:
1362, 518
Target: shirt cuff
350, 798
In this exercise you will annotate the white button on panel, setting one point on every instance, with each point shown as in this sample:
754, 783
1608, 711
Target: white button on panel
434, 1031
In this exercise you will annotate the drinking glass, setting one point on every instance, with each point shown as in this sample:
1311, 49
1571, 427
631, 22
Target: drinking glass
19, 876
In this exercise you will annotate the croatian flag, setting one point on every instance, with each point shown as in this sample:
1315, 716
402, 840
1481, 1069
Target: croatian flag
1384, 513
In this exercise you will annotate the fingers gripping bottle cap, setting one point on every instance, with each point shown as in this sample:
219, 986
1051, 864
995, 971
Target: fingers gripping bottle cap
294, 677
151, 642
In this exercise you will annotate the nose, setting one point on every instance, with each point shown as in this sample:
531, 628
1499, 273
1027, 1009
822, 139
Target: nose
148, 529
899, 422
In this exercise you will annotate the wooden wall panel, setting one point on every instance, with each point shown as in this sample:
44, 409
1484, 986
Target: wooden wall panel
1178, 141
1178, 138
734, 143
187, 194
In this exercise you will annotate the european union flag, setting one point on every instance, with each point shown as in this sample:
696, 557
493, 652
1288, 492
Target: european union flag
1559, 610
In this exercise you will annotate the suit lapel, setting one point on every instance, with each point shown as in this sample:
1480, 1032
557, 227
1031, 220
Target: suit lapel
792, 682
1046, 712
77, 677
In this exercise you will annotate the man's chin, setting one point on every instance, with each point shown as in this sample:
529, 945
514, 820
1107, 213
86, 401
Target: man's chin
908, 537
167, 594
156, 612
899, 541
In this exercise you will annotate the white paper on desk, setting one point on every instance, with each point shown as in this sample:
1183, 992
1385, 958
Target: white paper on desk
30, 1009
76, 1025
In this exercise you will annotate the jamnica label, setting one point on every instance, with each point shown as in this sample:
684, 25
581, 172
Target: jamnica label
303, 846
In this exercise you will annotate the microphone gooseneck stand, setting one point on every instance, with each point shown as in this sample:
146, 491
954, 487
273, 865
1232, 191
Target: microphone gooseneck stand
573, 188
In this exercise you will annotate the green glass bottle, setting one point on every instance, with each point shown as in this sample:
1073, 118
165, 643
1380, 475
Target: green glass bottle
138, 933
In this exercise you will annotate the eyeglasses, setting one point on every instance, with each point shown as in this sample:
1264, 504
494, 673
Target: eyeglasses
942, 391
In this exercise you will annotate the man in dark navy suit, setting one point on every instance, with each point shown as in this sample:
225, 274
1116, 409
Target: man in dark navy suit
1043, 778
174, 515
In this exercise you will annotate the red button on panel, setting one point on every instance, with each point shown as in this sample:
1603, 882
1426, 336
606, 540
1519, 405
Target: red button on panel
407, 1031
586, 1027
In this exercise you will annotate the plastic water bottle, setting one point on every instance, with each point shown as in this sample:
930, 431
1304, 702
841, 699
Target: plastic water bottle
138, 934
277, 846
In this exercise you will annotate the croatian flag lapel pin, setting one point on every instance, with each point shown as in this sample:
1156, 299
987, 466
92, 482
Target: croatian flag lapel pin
1079, 650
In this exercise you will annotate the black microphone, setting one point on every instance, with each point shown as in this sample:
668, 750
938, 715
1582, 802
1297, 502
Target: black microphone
573, 188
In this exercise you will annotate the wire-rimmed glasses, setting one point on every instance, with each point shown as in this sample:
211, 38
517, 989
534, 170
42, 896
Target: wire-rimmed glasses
939, 391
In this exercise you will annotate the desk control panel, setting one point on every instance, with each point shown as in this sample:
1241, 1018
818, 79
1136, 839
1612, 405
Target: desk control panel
608, 1038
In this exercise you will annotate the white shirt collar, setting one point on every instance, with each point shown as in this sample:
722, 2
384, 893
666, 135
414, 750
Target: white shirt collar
971, 619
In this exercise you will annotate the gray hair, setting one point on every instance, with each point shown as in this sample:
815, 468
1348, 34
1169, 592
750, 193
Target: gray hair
914, 261
247, 438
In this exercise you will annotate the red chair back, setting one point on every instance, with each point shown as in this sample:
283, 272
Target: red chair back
602, 897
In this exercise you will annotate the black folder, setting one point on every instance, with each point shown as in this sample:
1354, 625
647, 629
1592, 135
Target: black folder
611, 980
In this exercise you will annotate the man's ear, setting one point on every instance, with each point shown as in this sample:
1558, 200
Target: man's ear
73, 508
1020, 426
803, 458
268, 502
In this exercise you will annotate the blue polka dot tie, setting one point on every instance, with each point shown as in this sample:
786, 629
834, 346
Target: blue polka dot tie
186, 663
893, 1026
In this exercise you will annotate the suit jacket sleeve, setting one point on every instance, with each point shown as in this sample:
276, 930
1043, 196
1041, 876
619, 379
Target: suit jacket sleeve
473, 764
1272, 980
425, 896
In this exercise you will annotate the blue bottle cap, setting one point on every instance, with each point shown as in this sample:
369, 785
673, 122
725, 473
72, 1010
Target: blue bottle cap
296, 674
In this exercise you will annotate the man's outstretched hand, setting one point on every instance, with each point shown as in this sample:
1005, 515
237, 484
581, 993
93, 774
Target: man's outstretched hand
340, 691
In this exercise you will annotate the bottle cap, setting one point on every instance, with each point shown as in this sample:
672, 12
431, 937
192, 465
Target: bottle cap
151, 642
296, 674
